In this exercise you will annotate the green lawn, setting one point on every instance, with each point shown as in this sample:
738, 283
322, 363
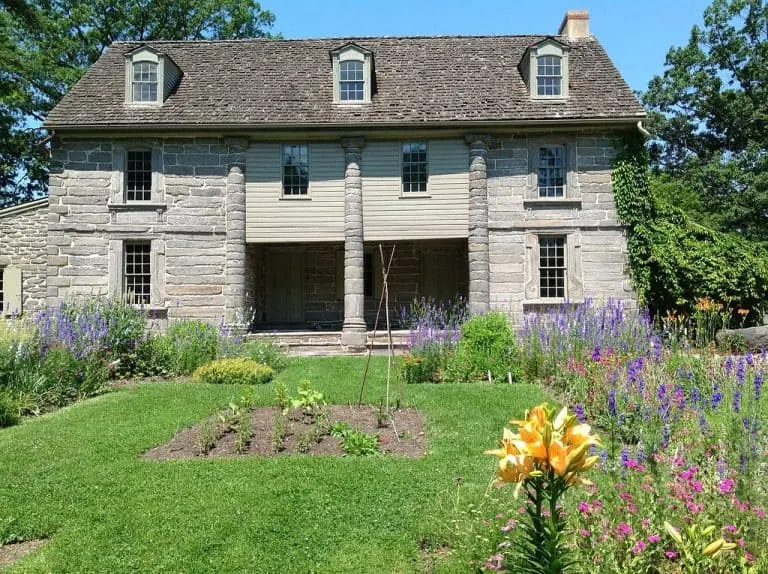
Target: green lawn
77, 476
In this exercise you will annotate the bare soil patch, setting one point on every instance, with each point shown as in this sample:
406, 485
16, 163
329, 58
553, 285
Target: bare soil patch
10, 553
403, 434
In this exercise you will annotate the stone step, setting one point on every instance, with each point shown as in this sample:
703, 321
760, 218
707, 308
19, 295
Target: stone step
329, 342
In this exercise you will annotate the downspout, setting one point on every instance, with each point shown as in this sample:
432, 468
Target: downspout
645, 133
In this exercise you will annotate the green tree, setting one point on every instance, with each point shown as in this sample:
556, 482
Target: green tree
709, 113
46, 46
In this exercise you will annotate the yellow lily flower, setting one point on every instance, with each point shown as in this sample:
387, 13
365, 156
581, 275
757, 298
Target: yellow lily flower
558, 457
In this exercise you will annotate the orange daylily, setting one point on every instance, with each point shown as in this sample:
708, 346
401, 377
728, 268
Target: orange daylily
558, 457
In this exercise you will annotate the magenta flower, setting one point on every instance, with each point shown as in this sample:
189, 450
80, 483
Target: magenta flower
631, 508
585, 533
584, 507
638, 547
495, 562
731, 528
646, 522
727, 485
511, 523
670, 555
654, 538
623, 530
760, 513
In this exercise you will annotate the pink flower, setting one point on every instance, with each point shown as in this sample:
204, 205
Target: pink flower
511, 523
741, 542
696, 485
625, 496
631, 508
749, 557
638, 547
585, 533
495, 562
726, 485
584, 507
623, 530
760, 513
596, 504
654, 538
646, 522
670, 555
731, 528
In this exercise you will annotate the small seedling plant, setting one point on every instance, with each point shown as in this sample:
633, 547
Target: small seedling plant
353, 441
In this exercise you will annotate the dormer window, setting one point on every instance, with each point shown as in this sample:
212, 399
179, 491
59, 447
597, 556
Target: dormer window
144, 82
150, 77
351, 81
549, 77
545, 69
352, 74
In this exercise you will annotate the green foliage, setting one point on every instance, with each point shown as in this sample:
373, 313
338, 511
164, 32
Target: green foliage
233, 372
425, 366
9, 411
354, 442
155, 356
674, 261
243, 430
281, 396
207, 436
69, 378
309, 400
487, 344
262, 351
708, 113
45, 48
194, 343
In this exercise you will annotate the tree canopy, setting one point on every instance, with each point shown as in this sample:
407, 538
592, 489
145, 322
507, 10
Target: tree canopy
709, 113
46, 46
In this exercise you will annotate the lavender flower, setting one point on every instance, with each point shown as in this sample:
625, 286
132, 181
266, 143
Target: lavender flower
612, 402
758, 385
737, 401
717, 396
579, 413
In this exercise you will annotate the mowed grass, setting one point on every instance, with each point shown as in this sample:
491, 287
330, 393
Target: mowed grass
77, 476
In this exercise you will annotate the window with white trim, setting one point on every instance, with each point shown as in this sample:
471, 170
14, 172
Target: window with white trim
138, 175
137, 272
414, 167
552, 266
551, 171
549, 76
351, 81
144, 82
295, 169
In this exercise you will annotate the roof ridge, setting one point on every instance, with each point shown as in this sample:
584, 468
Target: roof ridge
340, 38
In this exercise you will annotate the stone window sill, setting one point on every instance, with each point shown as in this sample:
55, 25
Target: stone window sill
554, 302
554, 202
415, 195
138, 206
295, 198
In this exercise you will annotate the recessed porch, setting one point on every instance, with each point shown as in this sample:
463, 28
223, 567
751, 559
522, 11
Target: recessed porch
300, 287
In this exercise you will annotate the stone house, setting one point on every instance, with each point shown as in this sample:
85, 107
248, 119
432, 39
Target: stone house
254, 181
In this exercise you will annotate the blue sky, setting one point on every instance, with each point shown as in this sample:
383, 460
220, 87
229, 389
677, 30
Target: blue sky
635, 34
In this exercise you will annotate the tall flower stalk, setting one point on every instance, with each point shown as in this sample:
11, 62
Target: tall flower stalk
547, 455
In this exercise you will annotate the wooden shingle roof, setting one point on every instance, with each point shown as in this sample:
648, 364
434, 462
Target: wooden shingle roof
418, 81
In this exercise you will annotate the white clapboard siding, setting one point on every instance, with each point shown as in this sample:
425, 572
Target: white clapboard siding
272, 219
444, 212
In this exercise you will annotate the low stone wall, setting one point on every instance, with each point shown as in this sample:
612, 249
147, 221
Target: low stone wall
23, 231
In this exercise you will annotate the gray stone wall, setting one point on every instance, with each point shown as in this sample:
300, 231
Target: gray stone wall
186, 221
22, 244
596, 246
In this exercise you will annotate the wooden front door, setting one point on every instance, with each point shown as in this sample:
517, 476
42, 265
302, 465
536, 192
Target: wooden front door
285, 287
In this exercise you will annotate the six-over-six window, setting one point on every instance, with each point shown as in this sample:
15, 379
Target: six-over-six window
295, 169
351, 81
137, 272
415, 168
138, 175
144, 82
552, 267
551, 171
549, 76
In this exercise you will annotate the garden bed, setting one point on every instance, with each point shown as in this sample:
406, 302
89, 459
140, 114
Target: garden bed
299, 433
10, 553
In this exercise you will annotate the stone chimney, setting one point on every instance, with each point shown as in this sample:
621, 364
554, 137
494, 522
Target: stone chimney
575, 24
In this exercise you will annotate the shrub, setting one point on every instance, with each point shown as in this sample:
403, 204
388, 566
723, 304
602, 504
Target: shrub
262, 351
487, 345
9, 411
68, 377
234, 371
194, 343
155, 356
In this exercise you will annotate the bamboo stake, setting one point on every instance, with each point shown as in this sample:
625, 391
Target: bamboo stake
375, 326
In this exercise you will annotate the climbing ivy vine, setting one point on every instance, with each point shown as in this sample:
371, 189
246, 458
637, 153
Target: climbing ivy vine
673, 260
